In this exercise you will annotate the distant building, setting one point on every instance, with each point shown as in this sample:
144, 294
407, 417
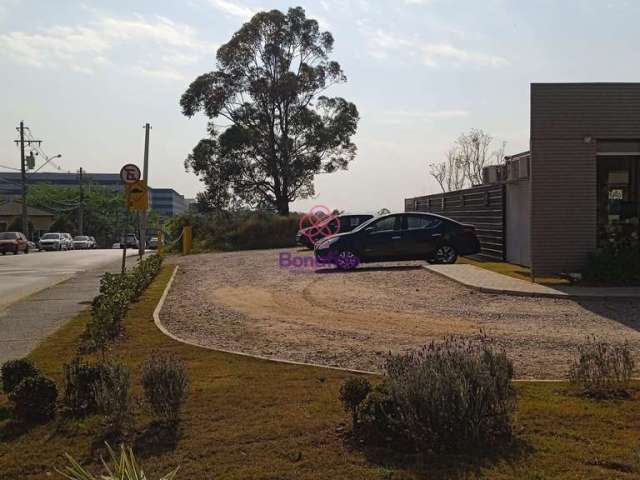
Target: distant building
10, 213
165, 201
10, 181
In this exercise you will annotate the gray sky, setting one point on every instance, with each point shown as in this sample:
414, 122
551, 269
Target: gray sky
85, 77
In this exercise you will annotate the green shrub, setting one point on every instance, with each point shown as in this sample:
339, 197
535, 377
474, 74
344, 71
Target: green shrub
615, 266
34, 399
111, 393
117, 291
448, 396
602, 370
80, 379
14, 371
165, 386
352, 393
377, 416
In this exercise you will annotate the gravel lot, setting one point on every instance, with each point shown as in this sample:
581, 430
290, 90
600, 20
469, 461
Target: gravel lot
244, 301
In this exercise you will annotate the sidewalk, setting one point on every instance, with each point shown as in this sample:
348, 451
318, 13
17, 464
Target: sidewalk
25, 323
492, 282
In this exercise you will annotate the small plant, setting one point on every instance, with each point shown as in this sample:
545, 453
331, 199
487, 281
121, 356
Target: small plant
34, 399
602, 369
111, 393
123, 468
165, 386
448, 396
14, 371
377, 416
352, 393
80, 379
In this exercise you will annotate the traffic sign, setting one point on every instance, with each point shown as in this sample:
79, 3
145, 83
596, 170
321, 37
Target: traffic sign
137, 196
130, 173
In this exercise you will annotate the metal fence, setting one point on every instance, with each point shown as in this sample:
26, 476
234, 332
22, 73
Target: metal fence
483, 207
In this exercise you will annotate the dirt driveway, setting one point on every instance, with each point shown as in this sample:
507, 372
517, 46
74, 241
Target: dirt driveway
245, 301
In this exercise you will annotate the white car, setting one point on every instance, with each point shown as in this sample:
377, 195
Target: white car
82, 242
68, 241
52, 241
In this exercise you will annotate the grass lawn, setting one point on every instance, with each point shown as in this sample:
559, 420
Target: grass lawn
251, 419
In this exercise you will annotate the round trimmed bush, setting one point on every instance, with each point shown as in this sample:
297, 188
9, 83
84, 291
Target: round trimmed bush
34, 399
14, 371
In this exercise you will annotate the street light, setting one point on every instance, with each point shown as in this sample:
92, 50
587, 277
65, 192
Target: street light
48, 160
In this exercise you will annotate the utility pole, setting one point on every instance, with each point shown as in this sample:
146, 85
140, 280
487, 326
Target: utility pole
23, 175
81, 209
145, 178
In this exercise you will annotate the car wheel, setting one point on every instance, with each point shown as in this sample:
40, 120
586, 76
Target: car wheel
347, 260
16, 251
444, 254
26, 250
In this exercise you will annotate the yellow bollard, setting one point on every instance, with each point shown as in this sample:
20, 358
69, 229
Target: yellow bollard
187, 240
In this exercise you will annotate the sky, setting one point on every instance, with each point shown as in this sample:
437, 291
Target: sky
86, 76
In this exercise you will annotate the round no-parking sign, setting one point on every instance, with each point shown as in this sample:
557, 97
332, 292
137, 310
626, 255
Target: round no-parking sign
130, 173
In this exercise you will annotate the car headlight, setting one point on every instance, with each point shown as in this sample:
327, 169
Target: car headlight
327, 243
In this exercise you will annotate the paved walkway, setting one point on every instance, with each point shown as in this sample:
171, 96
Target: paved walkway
491, 282
25, 323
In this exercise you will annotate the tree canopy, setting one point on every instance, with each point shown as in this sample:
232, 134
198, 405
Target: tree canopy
278, 128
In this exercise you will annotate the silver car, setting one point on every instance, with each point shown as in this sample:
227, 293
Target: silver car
52, 241
82, 242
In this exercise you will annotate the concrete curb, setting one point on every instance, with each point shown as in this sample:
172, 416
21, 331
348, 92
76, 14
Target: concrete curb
520, 293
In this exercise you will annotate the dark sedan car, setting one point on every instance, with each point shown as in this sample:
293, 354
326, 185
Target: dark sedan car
310, 236
13, 242
400, 236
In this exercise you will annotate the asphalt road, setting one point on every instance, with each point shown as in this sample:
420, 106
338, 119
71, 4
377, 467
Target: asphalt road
40, 291
21, 275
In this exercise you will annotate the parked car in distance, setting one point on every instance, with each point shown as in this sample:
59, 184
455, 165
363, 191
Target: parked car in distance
14, 242
116, 245
131, 241
82, 242
52, 241
310, 236
397, 237
153, 243
69, 240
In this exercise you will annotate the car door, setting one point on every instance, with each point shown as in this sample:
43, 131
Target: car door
379, 238
420, 236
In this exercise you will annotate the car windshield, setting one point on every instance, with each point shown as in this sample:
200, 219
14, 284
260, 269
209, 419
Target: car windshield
8, 236
51, 236
81, 239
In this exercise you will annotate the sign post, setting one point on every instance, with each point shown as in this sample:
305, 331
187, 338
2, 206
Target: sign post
136, 198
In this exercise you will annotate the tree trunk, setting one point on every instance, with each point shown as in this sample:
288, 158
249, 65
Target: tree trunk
282, 204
